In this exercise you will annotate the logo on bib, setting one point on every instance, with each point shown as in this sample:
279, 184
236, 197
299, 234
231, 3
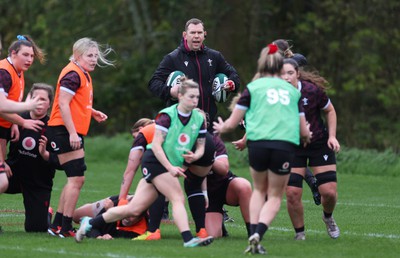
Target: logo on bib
183, 139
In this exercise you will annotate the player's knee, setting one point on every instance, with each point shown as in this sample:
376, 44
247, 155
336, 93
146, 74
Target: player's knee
3, 187
296, 180
75, 168
326, 177
3, 184
177, 201
246, 188
293, 195
243, 188
134, 213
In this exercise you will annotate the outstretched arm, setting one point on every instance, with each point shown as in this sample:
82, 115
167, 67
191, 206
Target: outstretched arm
134, 159
9, 106
231, 123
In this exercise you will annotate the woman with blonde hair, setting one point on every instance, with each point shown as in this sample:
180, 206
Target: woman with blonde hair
271, 139
69, 123
178, 128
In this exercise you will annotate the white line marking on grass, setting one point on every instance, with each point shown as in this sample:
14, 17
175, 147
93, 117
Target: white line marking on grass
70, 253
4, 215
57, 189
369, 205
323, 232
382, 205
374, 235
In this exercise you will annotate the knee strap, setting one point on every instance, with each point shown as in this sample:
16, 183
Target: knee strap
326, 177
75, 167
295, 180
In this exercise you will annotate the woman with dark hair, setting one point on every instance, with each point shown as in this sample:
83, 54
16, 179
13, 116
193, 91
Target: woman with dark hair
32, 165
319, 154
21, 55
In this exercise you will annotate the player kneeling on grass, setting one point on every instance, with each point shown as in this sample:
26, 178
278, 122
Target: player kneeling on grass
129, 227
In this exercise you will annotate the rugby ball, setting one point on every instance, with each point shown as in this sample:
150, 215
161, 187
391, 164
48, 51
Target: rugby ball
174, 78
220, 95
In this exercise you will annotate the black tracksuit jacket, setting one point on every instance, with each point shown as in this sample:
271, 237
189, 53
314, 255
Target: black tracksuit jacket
201, 66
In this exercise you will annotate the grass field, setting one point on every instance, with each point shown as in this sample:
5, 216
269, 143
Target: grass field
367, 214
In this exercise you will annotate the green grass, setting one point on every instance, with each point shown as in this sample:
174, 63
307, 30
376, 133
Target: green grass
367, 213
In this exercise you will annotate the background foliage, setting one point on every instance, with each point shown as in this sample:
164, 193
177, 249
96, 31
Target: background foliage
355, 45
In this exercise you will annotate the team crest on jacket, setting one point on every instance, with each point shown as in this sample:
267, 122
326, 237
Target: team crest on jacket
183, 139
29, 143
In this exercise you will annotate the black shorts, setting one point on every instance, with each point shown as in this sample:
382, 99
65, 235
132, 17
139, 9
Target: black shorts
314, 155
209, 153
5, 133
263, 157
217, 198
151, 167
58, 138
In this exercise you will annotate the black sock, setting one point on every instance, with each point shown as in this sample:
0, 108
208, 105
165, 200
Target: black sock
197, 208
300, 229
66, 224
97, 222
253, 228
197, 204
57, 222
224, 231
327, 215
261, 229
156, 211
248, 229
166, 204
187, 236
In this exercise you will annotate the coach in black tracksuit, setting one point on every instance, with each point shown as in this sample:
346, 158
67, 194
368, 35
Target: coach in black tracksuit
32, 175
197, 62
